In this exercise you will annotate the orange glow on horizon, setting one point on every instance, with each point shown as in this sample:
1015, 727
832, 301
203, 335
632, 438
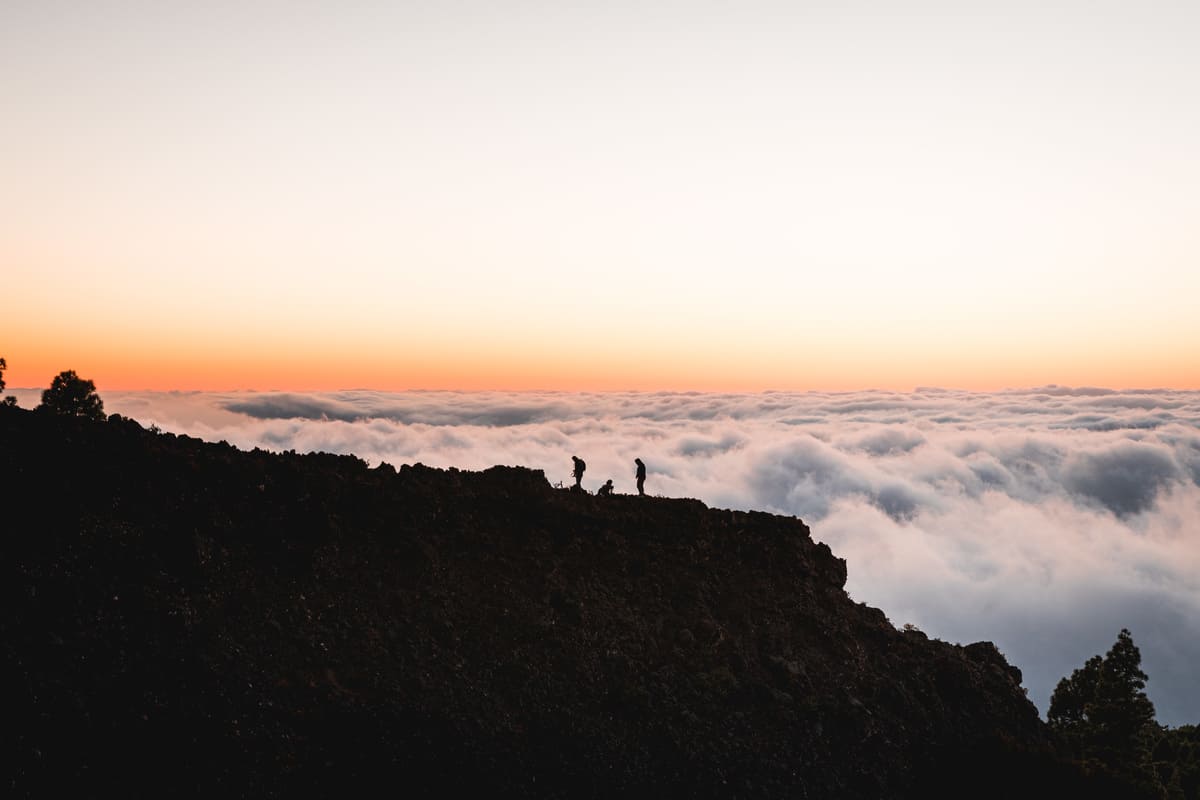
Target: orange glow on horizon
159, 366
730, 350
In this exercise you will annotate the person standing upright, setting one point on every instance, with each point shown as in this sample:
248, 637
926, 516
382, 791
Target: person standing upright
640, 475
580, 466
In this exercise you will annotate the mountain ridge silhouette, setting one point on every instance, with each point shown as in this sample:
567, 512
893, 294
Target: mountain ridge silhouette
188, 618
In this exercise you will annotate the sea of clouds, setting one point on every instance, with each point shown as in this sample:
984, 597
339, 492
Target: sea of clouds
1044, 520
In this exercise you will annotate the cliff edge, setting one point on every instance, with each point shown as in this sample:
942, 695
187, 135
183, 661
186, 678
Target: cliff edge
187, 618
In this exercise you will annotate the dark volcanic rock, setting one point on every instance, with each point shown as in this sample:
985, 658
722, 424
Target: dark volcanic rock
184, 618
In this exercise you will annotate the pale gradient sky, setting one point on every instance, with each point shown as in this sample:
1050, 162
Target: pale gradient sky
319, 195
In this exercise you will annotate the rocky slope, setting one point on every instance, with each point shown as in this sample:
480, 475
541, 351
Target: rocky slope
185, 618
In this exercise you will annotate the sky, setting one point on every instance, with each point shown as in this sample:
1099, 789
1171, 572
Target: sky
575, 196
1042, 520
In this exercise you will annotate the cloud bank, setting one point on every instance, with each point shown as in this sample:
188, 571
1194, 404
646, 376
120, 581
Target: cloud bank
1044, 520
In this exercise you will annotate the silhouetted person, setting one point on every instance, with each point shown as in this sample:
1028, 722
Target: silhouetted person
606, 489
640, 475
578, 473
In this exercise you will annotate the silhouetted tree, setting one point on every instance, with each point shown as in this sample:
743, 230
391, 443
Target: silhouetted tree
1073, 695
1177, 761
1103, 713
10, 400
1120, 711
72, 396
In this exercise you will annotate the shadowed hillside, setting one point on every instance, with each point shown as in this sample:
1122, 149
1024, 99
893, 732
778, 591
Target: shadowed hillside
182, 617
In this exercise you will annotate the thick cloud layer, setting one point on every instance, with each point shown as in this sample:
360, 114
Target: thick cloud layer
1044, 520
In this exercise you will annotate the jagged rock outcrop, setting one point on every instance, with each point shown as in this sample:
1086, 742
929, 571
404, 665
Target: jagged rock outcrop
185, 618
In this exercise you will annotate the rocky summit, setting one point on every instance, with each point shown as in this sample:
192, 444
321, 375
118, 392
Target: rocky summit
183, 618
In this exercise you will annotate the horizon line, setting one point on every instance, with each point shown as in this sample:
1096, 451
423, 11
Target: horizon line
446, 390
